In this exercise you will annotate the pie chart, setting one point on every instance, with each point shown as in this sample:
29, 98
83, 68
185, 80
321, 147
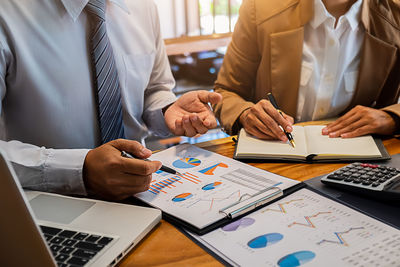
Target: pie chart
296, 259
186, 163
211, 186
182, 197
265, 240
241, 223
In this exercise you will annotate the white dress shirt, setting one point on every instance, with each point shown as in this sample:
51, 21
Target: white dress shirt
330, 63
48, 111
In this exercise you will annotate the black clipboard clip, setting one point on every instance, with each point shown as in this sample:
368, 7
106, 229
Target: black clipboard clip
249, 202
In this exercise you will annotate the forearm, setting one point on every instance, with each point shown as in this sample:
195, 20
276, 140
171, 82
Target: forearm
51, 170
229, 110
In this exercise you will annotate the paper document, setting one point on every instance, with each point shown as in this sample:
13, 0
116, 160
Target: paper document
209, 182
307, 229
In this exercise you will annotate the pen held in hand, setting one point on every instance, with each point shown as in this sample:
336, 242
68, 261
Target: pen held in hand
271, 99
163, 168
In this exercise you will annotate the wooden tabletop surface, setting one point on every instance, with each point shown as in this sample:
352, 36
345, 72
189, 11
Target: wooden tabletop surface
167, 246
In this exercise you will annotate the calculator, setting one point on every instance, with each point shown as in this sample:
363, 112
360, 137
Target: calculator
376, 181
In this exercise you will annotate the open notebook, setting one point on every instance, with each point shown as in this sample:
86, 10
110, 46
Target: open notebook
311, 145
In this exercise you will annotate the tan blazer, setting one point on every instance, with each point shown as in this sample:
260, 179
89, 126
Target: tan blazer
265, 55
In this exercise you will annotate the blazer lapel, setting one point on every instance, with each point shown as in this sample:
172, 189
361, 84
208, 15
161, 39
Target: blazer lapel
286, 55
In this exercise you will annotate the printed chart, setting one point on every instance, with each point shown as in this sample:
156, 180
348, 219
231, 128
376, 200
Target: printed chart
207, 183
307, 229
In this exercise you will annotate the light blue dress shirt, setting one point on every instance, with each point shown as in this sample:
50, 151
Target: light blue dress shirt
48, 113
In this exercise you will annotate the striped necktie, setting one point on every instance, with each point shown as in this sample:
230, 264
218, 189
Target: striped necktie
105, 75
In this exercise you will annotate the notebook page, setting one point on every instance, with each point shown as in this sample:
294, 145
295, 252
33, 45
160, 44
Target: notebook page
250, 146
363, 146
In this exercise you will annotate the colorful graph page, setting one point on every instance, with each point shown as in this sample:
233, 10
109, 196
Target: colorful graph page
208, 183
307, 229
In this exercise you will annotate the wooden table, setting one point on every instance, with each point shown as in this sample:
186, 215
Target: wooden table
166, 246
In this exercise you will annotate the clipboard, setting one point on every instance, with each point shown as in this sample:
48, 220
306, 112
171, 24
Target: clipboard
314, 185
237, 209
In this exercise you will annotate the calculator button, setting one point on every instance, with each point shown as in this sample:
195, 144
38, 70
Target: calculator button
375, 184
356, 181
366, 182
364, 177
335, 177
348, 179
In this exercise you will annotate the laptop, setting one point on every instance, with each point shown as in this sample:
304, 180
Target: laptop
43, 229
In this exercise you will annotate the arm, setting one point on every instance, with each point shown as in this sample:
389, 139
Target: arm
236, 79
364, 120
158, 93
38, 168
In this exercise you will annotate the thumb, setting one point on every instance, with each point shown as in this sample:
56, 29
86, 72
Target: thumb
133, 147
211, 97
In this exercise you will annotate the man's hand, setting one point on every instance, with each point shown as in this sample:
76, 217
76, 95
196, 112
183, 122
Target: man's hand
361, 121
263, 121
111, 176
191, 114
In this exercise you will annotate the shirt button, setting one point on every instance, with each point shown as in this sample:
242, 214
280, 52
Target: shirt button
331, 42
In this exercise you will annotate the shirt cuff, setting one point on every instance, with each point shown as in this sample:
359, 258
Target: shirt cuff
63, 171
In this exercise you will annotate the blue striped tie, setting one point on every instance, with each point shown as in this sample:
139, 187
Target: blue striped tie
108, 93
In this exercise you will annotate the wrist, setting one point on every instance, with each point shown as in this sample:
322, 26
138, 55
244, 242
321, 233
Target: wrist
164, 109
396, 122
243, 117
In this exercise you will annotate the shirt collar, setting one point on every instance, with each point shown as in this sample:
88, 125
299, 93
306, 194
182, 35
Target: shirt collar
74, 7
321, 14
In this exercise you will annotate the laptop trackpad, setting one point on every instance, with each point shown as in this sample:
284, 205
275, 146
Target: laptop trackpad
58, 209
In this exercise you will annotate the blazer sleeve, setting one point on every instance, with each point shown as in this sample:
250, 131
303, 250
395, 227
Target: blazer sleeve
237, 77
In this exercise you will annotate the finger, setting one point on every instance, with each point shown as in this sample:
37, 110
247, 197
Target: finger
140, 167
288, 118
179, 127
338, 128
342, 119
207, 97
363, 130
254, 122
132, 147
348, 128
271, 118
210, 122
187, 126
198, 124
278, 118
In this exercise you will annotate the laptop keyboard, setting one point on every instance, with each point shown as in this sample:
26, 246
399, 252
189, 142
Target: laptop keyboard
72, 248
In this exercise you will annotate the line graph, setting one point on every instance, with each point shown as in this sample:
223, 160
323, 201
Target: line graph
308, 220
235, 194
339, 235
281, 206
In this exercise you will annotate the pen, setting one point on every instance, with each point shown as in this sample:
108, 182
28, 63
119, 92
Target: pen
163, 168
271, 99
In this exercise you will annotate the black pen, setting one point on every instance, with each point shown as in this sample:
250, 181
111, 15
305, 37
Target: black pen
163, 168
271, 99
